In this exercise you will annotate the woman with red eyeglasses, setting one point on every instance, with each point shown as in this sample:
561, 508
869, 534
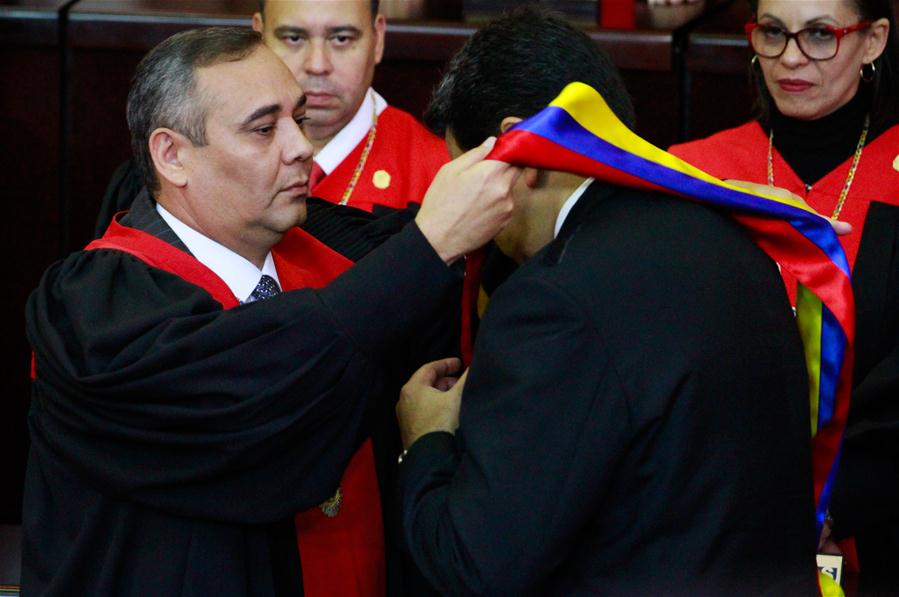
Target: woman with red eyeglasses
827, 76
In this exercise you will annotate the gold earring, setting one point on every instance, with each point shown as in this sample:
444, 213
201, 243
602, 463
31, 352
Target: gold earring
870, 75
755, 59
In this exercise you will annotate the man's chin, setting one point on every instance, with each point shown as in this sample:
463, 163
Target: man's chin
324, 123
289, 216
505, 245
301, 214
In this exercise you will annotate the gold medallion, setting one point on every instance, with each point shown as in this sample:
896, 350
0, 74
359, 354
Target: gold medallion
381, 179
896, 163
331, 506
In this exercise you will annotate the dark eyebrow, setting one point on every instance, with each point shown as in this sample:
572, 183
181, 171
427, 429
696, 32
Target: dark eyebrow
289, 30
271, 109
260, 112
344, 29
819, 20
771, 17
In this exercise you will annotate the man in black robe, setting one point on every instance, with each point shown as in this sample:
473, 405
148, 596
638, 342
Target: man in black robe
635, 418
175, 428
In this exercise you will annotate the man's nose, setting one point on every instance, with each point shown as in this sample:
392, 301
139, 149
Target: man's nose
296, 145
318, 58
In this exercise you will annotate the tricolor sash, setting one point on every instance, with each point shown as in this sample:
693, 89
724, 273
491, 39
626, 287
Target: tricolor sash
579, 133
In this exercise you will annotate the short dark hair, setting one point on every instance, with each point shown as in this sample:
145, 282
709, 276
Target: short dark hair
375, 5
163, 91
515, 66
883, 89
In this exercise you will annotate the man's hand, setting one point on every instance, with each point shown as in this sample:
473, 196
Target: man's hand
841, 228
430, 400
468, 203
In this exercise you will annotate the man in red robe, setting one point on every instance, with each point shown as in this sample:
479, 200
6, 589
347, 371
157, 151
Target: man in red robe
178, 421
367, 153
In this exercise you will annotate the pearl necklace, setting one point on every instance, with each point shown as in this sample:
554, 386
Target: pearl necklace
849, 177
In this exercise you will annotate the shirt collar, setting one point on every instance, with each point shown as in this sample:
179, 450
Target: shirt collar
238, 273
569, 204
346, 140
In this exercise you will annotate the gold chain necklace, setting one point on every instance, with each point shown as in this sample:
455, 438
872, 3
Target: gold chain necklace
364, 157
331, 506
849, 177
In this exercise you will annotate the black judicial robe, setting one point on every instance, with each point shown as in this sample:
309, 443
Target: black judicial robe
354, 233
173, 441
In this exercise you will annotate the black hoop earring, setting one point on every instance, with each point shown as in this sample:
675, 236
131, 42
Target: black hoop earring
867, 77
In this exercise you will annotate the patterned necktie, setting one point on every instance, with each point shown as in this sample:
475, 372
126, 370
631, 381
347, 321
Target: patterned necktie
266, 288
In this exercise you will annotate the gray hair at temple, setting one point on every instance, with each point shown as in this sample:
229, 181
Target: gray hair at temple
164, 89
375, 6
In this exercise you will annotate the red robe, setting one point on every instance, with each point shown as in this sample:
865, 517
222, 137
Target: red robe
400, 166
742, 153
343, 555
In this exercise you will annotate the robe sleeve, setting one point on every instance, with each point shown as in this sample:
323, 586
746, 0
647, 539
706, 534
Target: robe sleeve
354, 233
350, 231
151, 392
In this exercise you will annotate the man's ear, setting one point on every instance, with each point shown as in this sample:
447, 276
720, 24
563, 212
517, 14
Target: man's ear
166, 146
257, 22
531, 176
508, 122
380, 26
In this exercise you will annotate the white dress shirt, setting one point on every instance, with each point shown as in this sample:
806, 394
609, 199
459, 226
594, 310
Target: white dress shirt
332, 154
569, 204
239, 274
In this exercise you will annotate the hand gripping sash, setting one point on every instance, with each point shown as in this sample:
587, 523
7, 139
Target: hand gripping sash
579, 133
343, 555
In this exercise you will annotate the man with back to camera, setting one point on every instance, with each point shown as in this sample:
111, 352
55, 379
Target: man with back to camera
635, 418
175, 428
332, 48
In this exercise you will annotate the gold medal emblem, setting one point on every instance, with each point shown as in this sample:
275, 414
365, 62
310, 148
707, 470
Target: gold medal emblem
896, 163
331, 506
381, 179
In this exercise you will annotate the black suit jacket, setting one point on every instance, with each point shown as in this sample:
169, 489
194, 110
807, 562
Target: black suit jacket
635, 420
866, 490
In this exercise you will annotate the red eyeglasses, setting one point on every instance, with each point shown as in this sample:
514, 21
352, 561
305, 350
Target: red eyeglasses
821, 42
